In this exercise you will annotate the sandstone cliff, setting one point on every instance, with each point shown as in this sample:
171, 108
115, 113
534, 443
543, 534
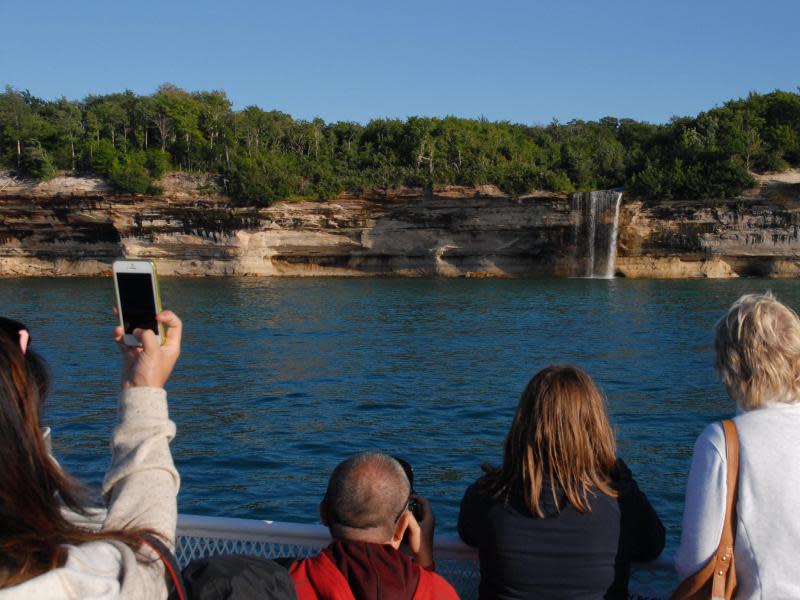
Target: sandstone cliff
756, 234
72, 226
77, 226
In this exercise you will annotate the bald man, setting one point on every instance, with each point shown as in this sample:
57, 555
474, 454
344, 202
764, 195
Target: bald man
367, 510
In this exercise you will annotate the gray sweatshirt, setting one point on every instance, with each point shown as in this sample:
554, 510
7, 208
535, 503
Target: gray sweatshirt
140, 490
767, 527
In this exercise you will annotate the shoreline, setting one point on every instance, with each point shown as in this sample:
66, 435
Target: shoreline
77, 226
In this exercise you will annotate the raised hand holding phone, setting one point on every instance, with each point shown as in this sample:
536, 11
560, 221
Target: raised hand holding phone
138, 298
150, 363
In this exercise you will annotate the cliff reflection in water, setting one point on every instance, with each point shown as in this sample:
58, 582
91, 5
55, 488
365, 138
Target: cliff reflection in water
281, 378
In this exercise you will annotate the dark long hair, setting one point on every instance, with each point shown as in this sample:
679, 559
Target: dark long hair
561, 436
33, 488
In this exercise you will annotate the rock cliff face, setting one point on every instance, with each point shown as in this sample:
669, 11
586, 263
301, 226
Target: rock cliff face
78, 227
756, 234
71, 226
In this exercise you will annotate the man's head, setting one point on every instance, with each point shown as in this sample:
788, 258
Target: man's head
367, 498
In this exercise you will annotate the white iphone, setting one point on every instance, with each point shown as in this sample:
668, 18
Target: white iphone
138, 300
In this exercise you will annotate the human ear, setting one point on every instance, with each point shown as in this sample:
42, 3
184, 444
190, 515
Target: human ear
323, 514
400, 530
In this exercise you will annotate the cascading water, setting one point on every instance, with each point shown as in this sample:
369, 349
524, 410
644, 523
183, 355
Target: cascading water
612, 245
592, 229
596, 231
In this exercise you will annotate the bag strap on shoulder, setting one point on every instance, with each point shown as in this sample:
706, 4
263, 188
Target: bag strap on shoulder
717, 578
723, 585
171, 568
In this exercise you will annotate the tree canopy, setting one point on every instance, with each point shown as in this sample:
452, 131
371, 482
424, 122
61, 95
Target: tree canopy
262, 156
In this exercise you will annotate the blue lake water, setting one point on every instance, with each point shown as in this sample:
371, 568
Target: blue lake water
280, 379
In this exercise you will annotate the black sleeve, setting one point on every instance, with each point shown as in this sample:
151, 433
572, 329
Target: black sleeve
641, 526
472, 516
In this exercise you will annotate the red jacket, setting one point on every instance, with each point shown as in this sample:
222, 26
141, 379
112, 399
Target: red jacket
360, 571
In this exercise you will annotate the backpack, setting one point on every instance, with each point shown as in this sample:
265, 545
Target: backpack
236, 577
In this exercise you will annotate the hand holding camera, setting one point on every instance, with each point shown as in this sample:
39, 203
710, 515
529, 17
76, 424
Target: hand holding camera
420, 533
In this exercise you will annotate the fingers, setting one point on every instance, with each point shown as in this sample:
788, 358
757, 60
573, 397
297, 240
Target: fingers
175, 328
119, 332
151, 363
119, 338
424, 503
414, 534
148, 339
420, 542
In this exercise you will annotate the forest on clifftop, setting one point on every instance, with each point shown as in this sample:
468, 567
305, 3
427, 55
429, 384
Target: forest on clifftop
262, 156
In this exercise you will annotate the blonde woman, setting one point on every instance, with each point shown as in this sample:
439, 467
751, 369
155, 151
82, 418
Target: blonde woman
562, 517
757, 346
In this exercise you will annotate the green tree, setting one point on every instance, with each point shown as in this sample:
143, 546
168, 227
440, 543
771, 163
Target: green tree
15, 120
132, 175
36, 162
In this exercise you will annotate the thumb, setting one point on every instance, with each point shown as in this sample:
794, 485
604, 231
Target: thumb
149, 341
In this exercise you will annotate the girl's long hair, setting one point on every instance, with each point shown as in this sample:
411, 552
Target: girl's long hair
33, 488
560, 436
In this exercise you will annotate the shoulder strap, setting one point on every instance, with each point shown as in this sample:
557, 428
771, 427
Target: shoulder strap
723, 585
171, 568
718, 575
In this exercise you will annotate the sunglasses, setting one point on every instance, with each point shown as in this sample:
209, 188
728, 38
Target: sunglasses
406, 506
411, 504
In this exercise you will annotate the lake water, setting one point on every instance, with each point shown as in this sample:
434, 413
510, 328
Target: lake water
280, 379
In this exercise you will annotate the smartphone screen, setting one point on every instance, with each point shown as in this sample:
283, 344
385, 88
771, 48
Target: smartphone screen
137, 300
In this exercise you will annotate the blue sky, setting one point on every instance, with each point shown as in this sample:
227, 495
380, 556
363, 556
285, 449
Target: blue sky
526, 62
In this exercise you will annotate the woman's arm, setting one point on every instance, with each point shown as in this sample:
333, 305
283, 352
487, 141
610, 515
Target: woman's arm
471, 516
704, 510
142, 484
644, 529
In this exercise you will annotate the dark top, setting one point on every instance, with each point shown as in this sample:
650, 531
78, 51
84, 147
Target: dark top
565, 554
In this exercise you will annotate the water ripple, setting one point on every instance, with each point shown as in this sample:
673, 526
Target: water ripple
282, 378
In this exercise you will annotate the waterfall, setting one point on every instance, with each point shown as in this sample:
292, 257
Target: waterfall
592, 229
596, 217
612, 245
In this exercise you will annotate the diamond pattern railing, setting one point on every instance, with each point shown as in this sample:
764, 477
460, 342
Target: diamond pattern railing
199, 536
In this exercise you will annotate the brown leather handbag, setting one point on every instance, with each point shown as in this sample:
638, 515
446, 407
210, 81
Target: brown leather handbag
717, 579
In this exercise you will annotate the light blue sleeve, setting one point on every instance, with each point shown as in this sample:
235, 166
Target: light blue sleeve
704, 509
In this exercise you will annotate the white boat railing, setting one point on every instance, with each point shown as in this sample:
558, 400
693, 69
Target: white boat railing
200, 536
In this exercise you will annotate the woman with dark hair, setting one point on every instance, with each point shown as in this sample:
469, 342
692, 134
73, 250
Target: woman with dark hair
52, 545
562, 517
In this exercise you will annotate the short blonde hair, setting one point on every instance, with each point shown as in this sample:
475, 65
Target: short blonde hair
757, 346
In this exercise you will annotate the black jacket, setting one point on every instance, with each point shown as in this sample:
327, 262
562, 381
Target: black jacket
565, 554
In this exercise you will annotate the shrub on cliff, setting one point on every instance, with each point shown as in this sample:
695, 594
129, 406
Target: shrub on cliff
157, 162
557, 181
104, 158
132, 176
36, 162
723, 178
261, 182
133, 179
